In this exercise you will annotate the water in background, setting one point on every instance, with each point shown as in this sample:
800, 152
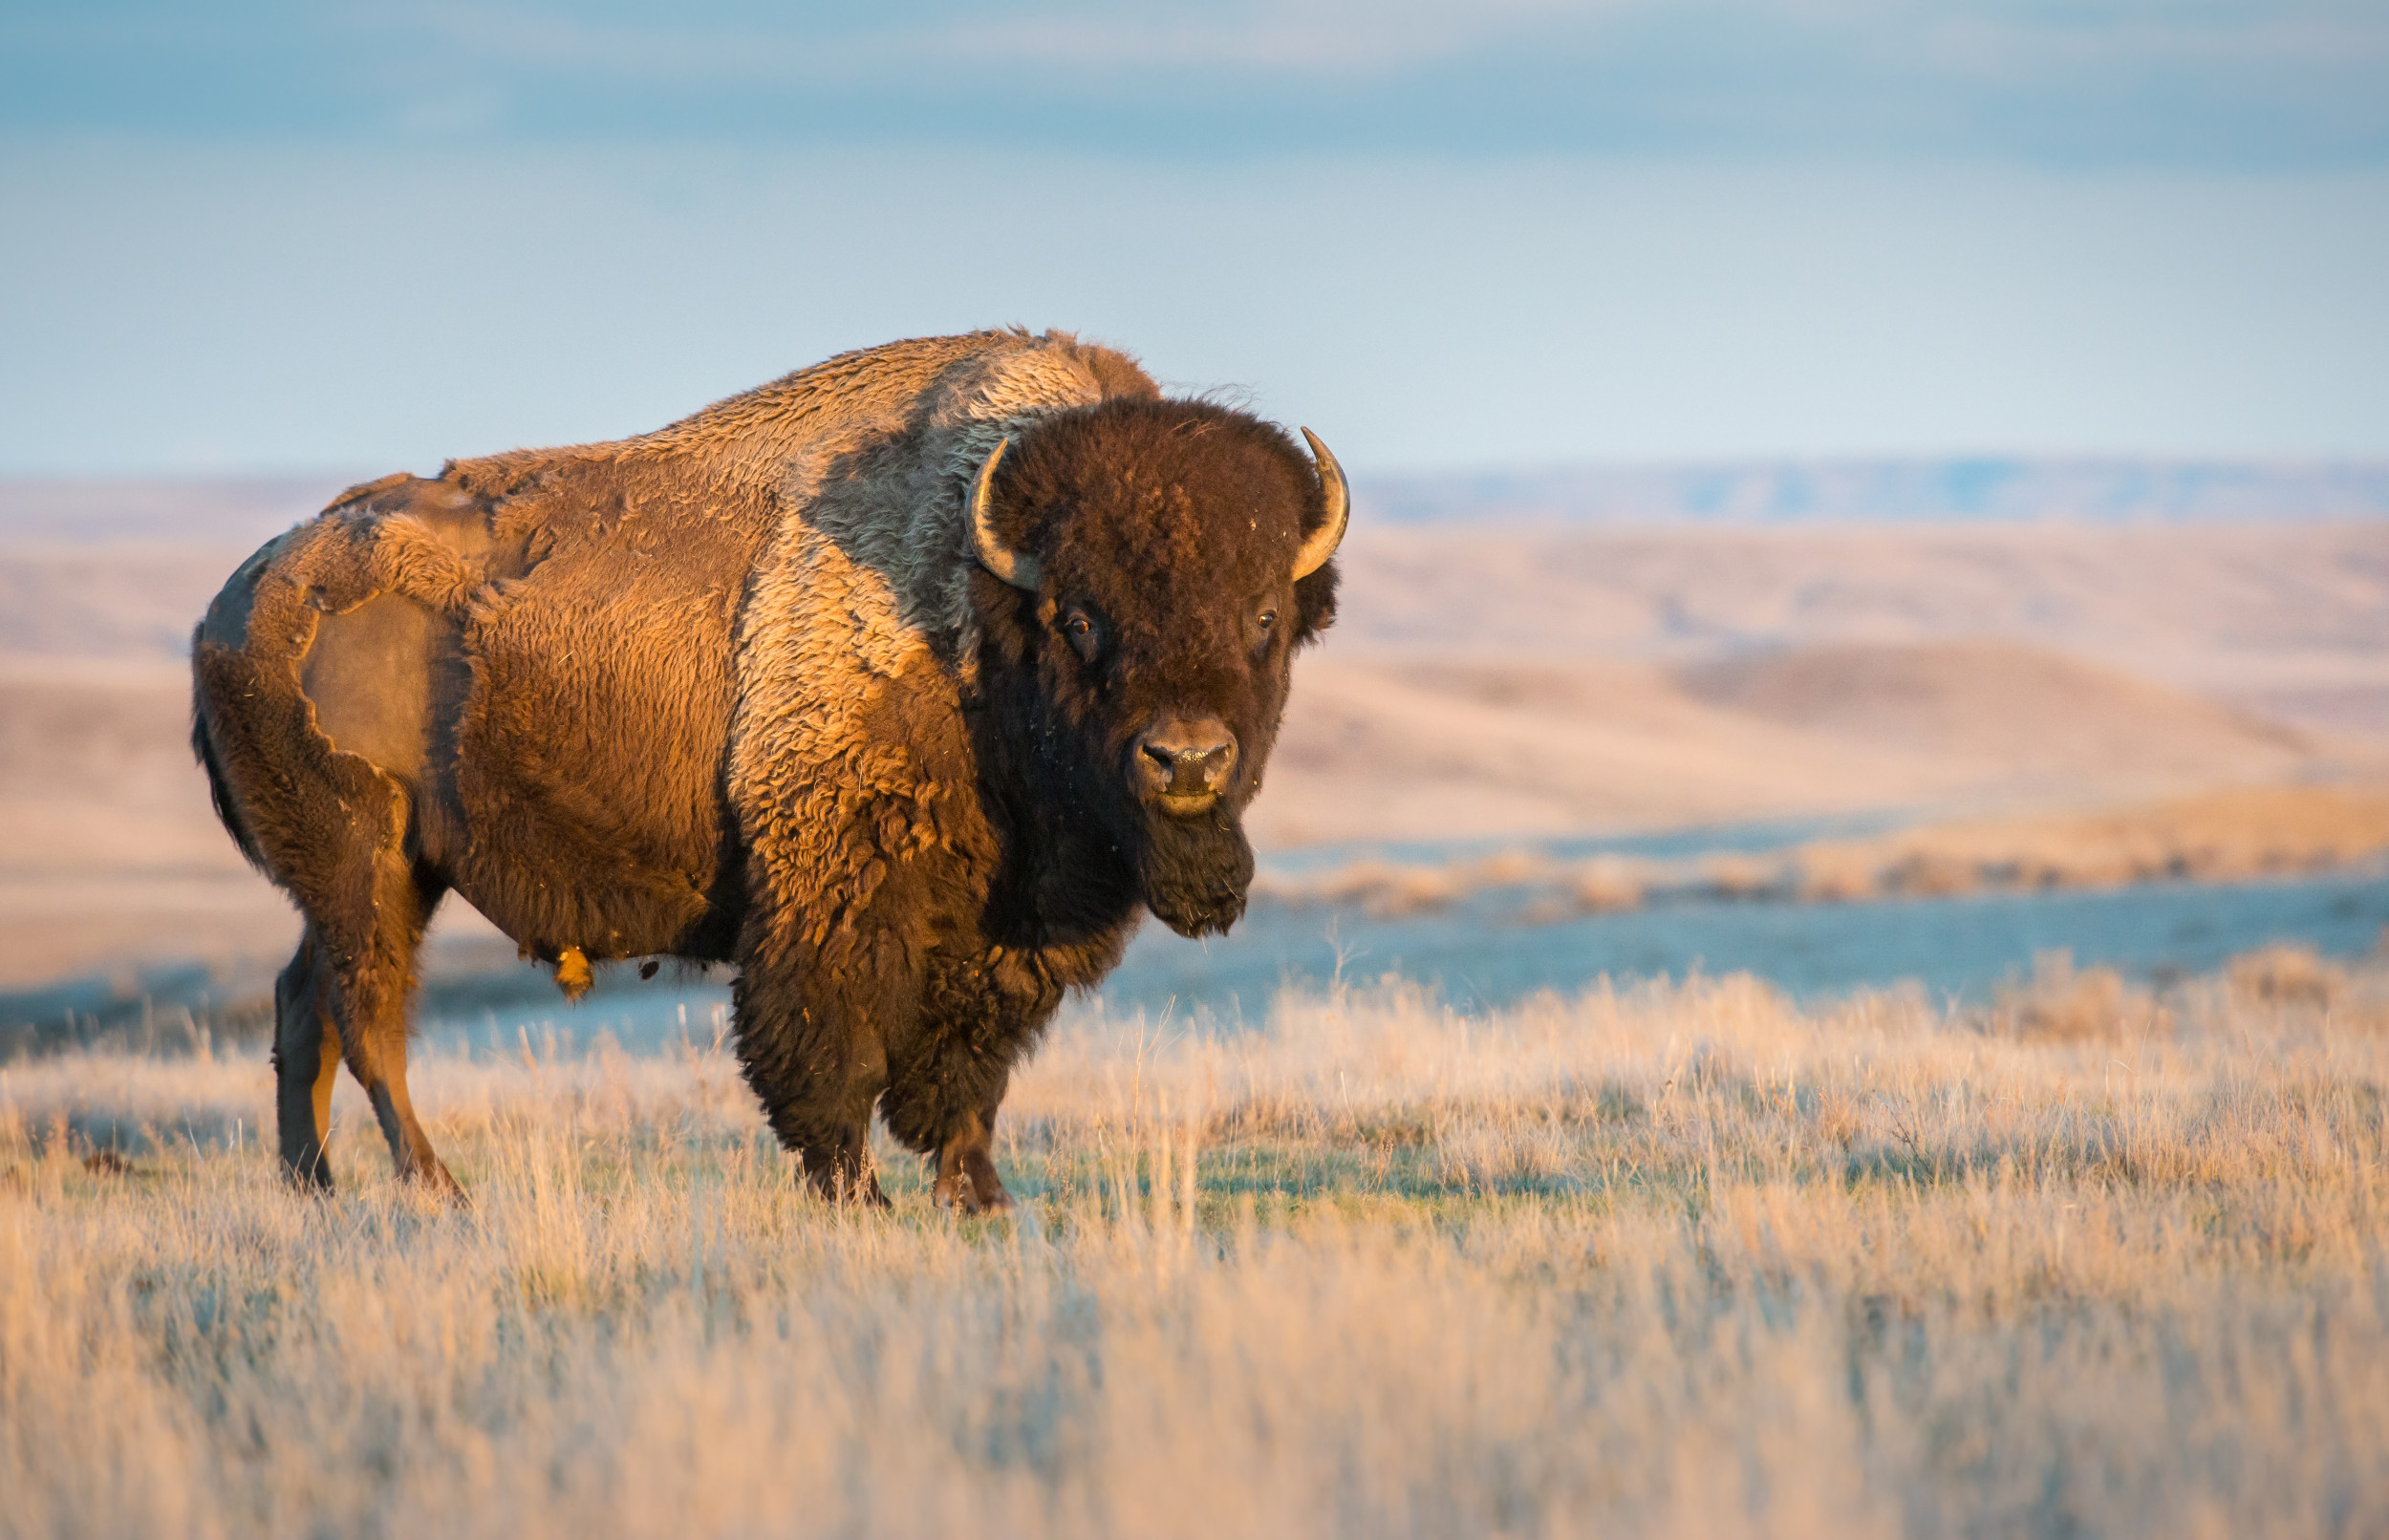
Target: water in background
1756, 837
1477, 957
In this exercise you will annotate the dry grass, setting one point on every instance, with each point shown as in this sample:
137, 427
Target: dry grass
1669, 1260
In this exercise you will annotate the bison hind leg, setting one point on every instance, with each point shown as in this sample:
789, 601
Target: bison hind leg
306, 1058
377, 982
344, 997
335, 1003
332, 826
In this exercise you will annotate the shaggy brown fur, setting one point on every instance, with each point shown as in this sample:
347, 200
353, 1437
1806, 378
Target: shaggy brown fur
738, 691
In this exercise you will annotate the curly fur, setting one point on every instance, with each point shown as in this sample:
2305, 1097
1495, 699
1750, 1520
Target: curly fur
735, 690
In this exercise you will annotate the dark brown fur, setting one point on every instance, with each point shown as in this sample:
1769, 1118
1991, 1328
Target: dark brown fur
735, 691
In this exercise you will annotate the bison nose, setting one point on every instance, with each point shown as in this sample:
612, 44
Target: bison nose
1186, 761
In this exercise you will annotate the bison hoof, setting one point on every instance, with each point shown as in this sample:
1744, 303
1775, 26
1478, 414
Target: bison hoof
435, 1182
972, 1194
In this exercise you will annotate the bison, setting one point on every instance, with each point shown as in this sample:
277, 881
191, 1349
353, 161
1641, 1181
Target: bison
904, 683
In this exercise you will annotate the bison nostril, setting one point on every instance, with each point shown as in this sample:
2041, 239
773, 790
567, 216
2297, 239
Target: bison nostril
1213, 765
1183, 759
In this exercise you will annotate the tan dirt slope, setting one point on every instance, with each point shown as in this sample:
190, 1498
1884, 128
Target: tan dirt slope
2289, 619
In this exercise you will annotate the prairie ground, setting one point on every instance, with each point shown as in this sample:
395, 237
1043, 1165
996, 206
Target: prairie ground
1678, 1259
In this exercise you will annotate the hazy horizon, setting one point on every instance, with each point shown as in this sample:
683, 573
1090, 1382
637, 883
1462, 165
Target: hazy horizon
1749, 491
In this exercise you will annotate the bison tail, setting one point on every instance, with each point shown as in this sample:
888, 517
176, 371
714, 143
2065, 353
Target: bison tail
219, 790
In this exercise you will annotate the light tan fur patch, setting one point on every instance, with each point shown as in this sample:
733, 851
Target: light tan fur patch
866, 590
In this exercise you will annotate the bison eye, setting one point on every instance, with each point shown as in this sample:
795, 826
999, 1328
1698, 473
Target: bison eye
1084, 638
1266, 619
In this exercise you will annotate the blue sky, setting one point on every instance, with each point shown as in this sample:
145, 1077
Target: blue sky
263, 237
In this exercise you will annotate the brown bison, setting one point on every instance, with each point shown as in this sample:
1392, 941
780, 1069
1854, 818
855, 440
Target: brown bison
901, 682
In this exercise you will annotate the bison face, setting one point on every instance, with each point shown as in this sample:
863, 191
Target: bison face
1151, 568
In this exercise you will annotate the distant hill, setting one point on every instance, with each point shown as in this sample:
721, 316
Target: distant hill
1998, 710
245, 510
1757, 493
2287, 619
1386, 746
1865, 490
1598, 675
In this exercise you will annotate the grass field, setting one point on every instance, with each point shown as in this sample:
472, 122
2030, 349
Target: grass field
1669, 1260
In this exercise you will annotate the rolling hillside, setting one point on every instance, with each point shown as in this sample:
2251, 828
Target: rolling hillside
1405, 747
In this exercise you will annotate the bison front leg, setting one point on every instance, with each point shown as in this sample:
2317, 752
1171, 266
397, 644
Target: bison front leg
815, 1056
946, 1084
966, 1169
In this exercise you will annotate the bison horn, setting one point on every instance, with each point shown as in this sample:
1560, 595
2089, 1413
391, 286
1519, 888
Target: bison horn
1015, 568
1329, 534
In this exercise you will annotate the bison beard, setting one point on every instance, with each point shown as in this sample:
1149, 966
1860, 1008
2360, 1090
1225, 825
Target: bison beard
1195, 871
800, 683
1192, 872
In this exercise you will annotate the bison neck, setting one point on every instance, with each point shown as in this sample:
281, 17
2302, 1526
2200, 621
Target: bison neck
1063, 883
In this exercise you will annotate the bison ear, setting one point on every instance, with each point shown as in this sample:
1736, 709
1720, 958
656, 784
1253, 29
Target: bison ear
1015, 567
1314, 604
1329, 534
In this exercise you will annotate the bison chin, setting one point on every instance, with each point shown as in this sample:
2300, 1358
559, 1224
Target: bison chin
1195, 872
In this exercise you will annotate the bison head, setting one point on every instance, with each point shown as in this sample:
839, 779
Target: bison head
1151, 569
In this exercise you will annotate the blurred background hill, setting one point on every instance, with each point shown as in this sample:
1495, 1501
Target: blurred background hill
1494, 676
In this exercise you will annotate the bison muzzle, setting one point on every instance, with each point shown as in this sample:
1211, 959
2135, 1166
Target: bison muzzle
903, 683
